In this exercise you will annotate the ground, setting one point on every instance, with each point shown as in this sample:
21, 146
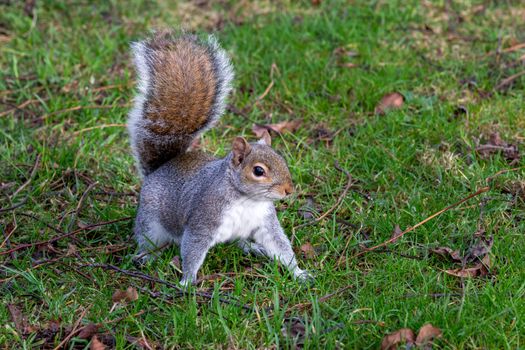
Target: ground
453, 124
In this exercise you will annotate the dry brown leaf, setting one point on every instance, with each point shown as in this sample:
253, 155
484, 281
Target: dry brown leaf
308, 250
348, 65
390, 101
88, 331
284, 126
480, 248
18, 319
344, 52
447, 253
96, 344
496, 145
404, 335
481, 269
397, 231
427, 333
127, 295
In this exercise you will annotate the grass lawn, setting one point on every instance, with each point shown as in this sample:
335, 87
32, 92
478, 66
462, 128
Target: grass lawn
66, 84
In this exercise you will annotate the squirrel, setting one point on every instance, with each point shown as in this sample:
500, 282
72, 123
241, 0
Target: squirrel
189, 197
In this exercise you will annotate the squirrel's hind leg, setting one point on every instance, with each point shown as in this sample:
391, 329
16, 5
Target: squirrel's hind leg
252, 248
151, 238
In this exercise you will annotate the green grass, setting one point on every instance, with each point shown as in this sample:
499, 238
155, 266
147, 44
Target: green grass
406, 165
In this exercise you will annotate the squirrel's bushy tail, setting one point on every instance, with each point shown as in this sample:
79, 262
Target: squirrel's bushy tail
183, 83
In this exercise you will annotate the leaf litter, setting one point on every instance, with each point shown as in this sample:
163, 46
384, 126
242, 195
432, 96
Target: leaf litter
424, 339
391, 101
475, 262
278, 128
495, 145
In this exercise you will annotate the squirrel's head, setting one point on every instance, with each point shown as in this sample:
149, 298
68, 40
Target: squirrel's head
259, 171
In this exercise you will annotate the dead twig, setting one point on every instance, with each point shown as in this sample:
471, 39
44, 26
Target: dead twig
31, 176
21, 107
509, 80
57, 238
349, 184
410, 229
74, 216
13, 207
103, 126
77, 108
74, 330
490, 178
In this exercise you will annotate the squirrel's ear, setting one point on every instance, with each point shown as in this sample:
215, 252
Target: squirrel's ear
240, 149
266, 139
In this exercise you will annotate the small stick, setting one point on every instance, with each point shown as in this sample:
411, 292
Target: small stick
77, 108
337, 203
79, 205
57, 230
31, 176
74, 330
103, 126
57, 238
490, 178
18, 205
509, 80
410, 229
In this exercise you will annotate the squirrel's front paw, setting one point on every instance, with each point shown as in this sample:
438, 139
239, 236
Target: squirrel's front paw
304, 276
186, 282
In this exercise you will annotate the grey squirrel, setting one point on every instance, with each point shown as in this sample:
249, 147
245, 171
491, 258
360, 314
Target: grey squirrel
189, 197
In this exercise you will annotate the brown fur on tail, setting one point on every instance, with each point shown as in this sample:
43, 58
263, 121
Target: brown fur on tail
183, 84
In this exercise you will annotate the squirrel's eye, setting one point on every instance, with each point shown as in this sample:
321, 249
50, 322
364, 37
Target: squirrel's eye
258, 171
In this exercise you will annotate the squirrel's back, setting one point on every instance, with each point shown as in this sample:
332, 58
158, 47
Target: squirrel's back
183, 83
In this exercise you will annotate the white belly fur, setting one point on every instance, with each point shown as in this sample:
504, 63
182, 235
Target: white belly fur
241, 219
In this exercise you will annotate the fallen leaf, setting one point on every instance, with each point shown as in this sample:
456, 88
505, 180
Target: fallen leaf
96, 344
323, 134
18, 319
127, 295
308, 250
348, 65
426, 334
279, 128
481, 269
480, 248
71, 249
344, 52
395, 234
404, 335
390, 101
447, 253
88, 331
496, 145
